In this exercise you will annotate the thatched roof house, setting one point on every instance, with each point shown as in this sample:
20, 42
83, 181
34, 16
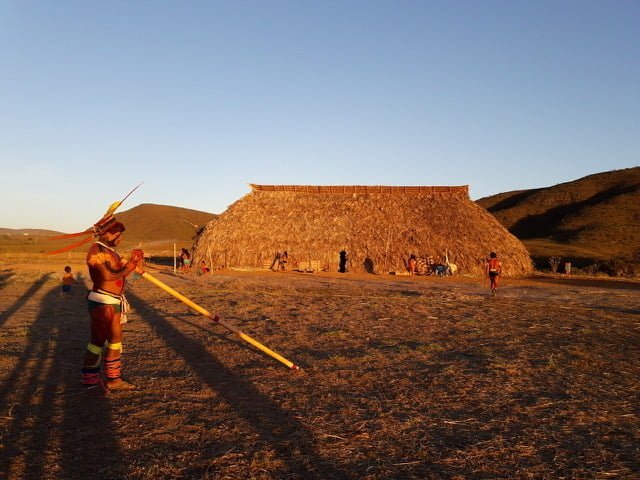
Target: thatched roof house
379, 227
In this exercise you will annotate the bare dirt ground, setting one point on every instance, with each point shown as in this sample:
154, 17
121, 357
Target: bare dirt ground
403, 378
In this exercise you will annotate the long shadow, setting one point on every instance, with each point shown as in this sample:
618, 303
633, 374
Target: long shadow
9, 384
5, 276
90, 445
37, 285
293, 444
546, 224
49, 405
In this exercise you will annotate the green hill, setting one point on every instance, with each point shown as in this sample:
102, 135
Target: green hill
592, 219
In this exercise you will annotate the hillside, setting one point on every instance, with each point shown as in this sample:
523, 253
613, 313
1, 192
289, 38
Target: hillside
592, 219
148, 222
25, 232
157, 227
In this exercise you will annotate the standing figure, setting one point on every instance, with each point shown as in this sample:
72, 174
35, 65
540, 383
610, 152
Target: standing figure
412, 264
494, 269
107, 309
186, 259
275, 265
282, 261
342, 268
567, 268
67, 281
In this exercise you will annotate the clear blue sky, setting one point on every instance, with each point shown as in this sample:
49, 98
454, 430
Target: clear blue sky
199, 98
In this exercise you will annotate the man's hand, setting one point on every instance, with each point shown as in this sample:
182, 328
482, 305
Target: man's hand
137, 255
137, 258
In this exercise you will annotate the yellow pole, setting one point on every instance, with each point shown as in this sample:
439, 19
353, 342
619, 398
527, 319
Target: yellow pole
216, 319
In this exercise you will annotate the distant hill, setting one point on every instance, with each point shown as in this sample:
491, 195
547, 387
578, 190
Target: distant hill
157, 227
25, 239
148, 223
594, 218
25, 232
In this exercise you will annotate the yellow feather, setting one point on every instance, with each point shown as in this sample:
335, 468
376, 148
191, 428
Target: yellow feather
112, 208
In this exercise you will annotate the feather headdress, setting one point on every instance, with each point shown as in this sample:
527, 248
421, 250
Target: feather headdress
106, 224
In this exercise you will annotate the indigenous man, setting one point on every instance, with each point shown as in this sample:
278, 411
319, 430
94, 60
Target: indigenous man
494, 269
107, 308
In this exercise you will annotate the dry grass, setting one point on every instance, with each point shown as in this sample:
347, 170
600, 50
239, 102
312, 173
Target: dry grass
414, 378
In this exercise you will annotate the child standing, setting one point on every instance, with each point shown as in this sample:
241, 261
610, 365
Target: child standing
67, 281
412, 265
494, 269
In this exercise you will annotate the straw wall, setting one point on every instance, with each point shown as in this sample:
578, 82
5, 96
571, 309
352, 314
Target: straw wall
378, 228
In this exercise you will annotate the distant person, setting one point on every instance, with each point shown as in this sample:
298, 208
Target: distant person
282, 261
107, 309
67, 281
342, 266
567, 268
494, 269
203, 270
275, 265
186, 259
368, 265
413, 261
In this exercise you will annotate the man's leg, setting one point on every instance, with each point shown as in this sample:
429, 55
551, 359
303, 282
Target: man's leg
113, 357
494, 283
90, 377
91, 366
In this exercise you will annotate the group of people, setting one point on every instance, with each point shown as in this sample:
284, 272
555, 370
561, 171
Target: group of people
428, 266
280, 261
493, 269
184, 263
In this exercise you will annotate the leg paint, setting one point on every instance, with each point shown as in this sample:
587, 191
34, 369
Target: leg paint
91, 368
112, 361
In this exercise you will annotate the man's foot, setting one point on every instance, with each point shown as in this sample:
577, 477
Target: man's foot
99, 390
120, 384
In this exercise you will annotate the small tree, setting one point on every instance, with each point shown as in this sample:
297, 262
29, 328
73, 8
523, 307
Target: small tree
554, 261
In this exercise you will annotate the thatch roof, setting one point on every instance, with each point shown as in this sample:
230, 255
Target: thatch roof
379, 227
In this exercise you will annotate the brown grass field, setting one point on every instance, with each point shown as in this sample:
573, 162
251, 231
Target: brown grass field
402, 378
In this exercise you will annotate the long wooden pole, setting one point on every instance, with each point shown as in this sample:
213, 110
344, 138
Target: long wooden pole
216, 319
